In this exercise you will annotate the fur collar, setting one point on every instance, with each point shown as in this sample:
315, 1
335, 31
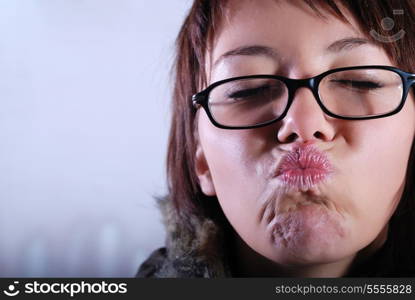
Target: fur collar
190, 252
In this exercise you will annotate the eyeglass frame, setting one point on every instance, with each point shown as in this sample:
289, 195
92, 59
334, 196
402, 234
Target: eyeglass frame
201, 99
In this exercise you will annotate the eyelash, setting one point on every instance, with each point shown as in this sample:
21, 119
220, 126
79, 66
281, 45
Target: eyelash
247, 92
370, 85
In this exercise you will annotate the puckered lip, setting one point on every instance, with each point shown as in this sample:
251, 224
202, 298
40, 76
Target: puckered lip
303, 167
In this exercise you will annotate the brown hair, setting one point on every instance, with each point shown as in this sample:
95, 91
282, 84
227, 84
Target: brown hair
193, 42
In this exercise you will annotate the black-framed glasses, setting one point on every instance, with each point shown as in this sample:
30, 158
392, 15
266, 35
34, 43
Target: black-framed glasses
351, 93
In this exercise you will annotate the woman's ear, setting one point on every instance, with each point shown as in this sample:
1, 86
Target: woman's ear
203, 173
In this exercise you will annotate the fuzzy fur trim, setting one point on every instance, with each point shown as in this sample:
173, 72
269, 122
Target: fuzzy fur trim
190, 252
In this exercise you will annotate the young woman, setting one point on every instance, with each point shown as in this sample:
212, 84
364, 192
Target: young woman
294, 157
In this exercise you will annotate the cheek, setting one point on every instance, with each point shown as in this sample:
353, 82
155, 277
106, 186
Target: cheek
227, 151
235, 159
373, 162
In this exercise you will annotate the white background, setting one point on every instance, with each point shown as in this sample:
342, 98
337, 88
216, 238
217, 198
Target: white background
84, 119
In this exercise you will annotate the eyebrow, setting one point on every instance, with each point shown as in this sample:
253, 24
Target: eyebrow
251, 50
259, 50
348, 44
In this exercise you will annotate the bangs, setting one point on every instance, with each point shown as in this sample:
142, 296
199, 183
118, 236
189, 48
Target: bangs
323, 7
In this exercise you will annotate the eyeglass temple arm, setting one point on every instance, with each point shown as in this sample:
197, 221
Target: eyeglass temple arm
196, 101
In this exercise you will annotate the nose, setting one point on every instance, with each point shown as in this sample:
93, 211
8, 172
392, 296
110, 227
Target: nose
305, 120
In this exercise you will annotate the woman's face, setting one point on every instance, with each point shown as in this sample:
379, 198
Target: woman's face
335, 218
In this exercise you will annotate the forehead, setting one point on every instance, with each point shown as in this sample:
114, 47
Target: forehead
290, 21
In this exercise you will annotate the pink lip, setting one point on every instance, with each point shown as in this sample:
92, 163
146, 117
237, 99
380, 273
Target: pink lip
304, 167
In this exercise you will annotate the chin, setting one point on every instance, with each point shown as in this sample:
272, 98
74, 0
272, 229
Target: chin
309, 255
309, 234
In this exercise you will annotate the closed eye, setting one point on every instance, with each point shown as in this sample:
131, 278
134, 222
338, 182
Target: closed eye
266, 92
249, 92
363, 85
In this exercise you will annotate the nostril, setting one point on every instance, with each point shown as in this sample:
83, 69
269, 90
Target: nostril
292, 138
319, 135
